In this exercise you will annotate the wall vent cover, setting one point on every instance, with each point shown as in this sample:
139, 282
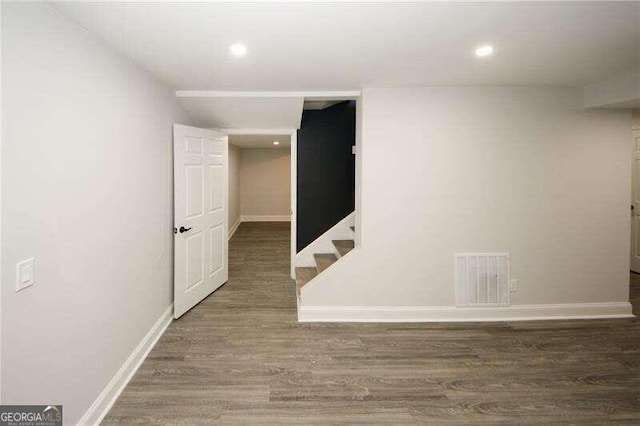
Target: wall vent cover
482, 279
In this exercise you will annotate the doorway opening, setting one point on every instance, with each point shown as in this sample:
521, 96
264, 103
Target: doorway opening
327, 187
224, 177
259, 179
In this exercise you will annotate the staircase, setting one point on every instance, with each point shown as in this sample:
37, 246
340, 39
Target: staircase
323, 261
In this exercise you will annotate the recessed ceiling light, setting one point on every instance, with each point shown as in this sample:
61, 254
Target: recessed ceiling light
238, 49
484, 51
276, 143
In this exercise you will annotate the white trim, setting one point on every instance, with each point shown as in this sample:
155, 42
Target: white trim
1, 145
266, 218
235, 226
357, 238
334, 95
294, 201
112, 391
453, 314
324, 243
226, 198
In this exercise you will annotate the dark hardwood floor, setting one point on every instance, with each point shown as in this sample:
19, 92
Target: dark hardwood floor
240, 357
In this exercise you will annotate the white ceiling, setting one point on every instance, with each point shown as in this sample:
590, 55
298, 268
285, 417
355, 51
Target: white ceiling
260, 141
329, 46
245, 112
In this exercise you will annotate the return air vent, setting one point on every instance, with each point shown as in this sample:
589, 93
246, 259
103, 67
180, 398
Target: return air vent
482, 279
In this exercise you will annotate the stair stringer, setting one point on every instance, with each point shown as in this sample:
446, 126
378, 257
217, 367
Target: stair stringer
339, 279
324, 243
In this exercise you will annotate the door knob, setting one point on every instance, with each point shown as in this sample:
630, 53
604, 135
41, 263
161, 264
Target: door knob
183, 229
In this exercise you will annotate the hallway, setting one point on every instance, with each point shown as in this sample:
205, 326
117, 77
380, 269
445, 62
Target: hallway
240, 357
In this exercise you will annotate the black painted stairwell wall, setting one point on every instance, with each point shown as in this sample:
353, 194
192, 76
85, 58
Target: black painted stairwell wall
326, 170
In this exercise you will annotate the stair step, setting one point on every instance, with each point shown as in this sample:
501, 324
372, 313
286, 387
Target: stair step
343, 246
324, 260
304, 275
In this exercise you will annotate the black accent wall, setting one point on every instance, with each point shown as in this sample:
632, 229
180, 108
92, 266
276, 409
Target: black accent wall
326, 170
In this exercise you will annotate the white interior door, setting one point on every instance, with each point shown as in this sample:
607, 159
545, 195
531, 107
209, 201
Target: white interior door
635, 204
200, 202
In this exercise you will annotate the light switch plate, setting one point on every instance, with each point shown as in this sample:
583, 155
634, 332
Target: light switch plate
25, 274
513, 285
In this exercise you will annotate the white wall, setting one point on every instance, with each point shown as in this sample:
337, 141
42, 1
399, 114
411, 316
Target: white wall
87, 190
234, 185
265, 181
522, 170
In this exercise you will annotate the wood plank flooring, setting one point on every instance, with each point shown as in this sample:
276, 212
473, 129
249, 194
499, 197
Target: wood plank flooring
240, 357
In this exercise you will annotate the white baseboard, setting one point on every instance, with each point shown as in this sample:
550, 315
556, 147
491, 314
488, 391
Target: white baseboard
266, 218
234, 228
454, 314
112, 391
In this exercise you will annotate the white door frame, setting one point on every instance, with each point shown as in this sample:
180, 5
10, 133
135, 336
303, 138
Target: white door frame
635, 132
293, 133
